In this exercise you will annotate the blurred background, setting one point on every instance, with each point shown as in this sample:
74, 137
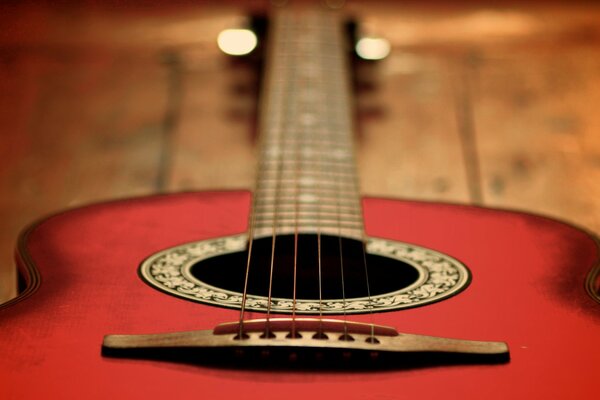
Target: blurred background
492, 103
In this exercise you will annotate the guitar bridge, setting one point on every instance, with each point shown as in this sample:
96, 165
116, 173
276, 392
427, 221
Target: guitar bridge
311, 342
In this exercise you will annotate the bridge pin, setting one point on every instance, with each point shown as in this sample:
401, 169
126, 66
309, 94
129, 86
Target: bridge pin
320, 336
267, 335
346, 337
293, 335
242, 336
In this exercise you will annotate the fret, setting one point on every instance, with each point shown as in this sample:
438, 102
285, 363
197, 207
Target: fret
309, 184
294, 164
296, 160
307, 171
308, 82
305, 124
323, 141
325, 137
310, 177
308, 69
313, 191
292, 201
291, 221
305, 182
307, 154
316, 75
290, 230
295, 167
302, 223
308, 127
303, 199
291, 207
333, 225
278, 177
352, 214
303, 115
295, 172
312, 152
306, 178
309, 146
309, 214
324, 57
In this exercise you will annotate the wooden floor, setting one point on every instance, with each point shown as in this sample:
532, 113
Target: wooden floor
477, 104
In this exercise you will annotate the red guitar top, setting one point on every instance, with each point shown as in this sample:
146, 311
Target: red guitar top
523, 287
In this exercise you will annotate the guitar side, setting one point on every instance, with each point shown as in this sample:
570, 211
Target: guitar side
528, 289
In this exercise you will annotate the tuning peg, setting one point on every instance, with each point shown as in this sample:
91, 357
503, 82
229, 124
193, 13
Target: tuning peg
367, 45
245, 40
372, 48
237, 42
367, 49
243, 45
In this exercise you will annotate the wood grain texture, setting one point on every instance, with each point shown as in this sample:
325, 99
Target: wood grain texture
476, 104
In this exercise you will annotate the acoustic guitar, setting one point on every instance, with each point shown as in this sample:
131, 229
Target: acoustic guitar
302, 289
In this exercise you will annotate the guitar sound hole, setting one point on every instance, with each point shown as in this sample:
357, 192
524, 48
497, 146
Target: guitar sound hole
337, 256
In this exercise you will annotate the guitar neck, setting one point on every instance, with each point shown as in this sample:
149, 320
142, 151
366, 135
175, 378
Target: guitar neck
306, 180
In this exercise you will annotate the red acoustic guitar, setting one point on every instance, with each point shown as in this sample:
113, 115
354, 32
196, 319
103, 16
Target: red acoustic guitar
289, 293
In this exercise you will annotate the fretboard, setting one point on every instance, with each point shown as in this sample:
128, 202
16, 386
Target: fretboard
307, 179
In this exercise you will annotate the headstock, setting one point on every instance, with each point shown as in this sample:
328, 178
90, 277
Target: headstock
245, 46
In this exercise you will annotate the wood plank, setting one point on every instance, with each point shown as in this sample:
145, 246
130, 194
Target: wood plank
413, 147
538, 131
213, 146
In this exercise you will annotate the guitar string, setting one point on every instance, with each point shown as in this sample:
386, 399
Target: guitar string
346, 106
311, 82
264, 109
306, 39
303, 33
281, 134
319, 183
339, 228
348, 100
296, 217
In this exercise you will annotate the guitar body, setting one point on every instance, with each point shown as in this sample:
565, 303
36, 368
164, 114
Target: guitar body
81, 267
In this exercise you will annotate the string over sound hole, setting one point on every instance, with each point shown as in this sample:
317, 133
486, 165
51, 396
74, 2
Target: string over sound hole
339, 257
